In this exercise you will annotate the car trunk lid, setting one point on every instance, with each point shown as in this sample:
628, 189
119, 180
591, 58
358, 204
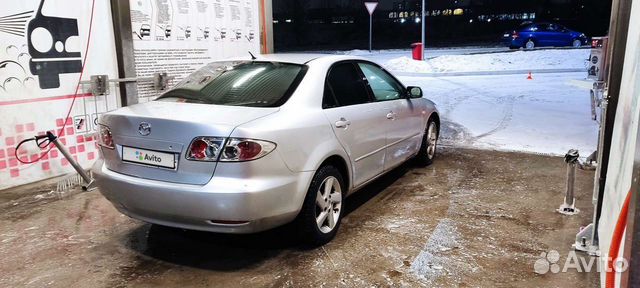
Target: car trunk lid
165, 129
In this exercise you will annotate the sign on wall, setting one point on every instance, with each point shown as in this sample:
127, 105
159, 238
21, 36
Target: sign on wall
180, 36
42, 45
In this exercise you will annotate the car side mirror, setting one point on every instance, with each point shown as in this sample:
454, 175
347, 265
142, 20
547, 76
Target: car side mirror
414, 92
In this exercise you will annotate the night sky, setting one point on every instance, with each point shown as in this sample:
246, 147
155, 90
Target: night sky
342, 24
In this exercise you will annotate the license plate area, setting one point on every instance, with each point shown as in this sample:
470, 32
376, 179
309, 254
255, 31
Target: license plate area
149, 157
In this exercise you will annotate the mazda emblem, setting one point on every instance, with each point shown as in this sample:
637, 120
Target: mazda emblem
144, 129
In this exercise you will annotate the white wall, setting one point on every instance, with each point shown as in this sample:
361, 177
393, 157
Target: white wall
624, 140
27, 107
201, 31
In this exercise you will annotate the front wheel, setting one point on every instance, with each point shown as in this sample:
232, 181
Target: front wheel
321, 212
576, 43
429, 144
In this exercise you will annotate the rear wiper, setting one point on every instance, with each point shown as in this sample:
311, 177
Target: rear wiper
181, 97
247, 103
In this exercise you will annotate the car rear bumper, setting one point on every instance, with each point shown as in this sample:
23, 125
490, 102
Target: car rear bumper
251, 203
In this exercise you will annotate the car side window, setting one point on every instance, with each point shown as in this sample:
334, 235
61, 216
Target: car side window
346, 85
328, 99
549, 28
383, 85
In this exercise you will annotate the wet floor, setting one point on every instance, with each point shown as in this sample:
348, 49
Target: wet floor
474, 218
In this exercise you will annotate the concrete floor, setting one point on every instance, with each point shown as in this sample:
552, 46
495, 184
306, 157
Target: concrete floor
474, 218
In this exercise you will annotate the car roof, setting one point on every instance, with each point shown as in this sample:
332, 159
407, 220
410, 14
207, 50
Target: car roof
300, 58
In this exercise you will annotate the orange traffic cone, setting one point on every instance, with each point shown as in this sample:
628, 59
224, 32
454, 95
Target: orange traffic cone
530, 77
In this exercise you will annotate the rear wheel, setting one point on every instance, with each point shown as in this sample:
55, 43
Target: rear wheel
429, 144
530, 44
321, 212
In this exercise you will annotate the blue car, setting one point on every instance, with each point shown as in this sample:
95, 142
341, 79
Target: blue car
530, 35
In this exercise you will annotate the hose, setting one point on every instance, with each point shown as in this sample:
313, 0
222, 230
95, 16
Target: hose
42, 144
616, 241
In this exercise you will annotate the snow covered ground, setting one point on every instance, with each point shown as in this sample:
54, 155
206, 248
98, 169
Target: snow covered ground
517, 60
383, 56
476, 59
549, 114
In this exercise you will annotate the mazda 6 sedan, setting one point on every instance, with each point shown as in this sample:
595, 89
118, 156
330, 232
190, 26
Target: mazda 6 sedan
243, 146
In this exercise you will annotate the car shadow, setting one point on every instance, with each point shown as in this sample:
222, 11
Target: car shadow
230, 252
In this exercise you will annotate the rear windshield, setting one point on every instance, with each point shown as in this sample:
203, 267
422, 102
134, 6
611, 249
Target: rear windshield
241, 83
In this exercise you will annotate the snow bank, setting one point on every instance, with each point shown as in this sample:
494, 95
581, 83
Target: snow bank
546, 115
518, 60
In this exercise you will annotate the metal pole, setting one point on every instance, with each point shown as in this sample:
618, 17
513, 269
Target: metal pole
87, 179
568, 207
370, 29
121, 17
571, 178
423, 29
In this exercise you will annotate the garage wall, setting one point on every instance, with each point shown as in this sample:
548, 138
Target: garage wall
34, 99
173, 36
623, 145
180, 36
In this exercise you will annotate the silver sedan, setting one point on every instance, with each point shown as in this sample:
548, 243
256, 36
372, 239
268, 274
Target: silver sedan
242, 146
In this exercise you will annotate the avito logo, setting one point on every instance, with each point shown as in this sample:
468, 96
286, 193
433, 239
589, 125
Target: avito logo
146, 157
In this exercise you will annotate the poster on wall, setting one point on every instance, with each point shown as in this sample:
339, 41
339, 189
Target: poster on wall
180, 36
42, 47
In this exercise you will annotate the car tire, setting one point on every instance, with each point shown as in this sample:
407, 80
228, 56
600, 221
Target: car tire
313, 228
513, 47
576, 43
429, 144
529, 44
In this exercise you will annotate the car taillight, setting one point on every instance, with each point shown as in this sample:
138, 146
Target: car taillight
515, 34
105, 137
245, 149
205, 148
235, 149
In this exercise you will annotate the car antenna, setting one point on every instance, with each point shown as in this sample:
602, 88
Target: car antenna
252, 57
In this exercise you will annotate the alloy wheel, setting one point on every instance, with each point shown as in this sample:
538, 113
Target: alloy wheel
432, 137
530, 45
576, 43
328, 204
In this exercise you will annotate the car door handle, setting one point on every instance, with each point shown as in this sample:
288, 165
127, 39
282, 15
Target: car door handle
391, 115
342, 123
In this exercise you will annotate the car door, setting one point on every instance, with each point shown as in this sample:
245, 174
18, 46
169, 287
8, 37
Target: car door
544, 35
404, 122
358, 122
555, 36
564, 36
